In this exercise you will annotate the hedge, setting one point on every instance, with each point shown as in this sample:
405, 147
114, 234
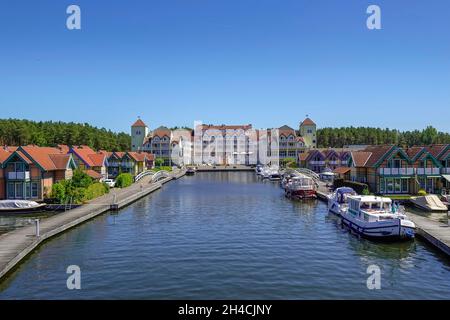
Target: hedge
359, 187
124, 180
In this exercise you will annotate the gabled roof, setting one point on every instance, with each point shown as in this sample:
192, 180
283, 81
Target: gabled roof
46, 158
360, 158
137, 156
97, 159
139, 123
89, 156
5, 152
378, 154
341, 170
308, 122
329, 152
437, 150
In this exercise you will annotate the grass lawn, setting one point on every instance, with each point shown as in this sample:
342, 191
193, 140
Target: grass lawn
167, 168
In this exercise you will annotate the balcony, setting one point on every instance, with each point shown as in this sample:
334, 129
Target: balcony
428, 171
396, 171
24, 175
127, 164
445, 170
317, 162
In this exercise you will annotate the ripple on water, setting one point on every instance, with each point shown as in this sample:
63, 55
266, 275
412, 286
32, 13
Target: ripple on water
226, 235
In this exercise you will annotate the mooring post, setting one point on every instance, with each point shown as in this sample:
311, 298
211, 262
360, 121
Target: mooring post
38, 231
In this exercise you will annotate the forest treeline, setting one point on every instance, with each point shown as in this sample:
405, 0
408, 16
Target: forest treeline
339, 137
14, 132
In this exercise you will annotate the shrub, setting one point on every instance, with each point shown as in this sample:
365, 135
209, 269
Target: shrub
422, 192
124, 180
81, 179
159, 162
365, 192
59, 191
95, 190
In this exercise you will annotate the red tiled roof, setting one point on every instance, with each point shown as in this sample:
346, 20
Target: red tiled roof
5, 152
41, 155
97, 159
413, 151
341, 170
89, 156
93, 174
436, 149
60, 160
137, 156
139, 123
360, 158
308, 122
377, 153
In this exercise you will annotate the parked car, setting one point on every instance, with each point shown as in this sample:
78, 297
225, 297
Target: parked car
110, 182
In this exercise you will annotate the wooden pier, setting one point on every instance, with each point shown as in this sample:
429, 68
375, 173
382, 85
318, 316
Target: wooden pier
17, 244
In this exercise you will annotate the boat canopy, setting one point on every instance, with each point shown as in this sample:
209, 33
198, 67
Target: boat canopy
342, 192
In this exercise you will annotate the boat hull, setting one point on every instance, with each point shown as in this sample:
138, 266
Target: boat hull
301, 194
382, 230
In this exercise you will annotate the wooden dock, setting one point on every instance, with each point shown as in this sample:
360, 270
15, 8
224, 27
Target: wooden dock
434, 231
17, 244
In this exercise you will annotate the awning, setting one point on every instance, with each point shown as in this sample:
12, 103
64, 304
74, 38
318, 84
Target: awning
446, 177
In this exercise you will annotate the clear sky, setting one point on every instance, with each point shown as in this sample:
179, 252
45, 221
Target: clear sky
265, 62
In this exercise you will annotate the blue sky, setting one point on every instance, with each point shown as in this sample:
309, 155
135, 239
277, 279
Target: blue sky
263, 62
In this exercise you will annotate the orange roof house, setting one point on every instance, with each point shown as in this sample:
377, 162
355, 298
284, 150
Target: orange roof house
89, 159
30, 171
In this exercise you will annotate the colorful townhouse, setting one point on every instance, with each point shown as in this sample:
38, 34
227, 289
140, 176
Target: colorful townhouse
290, 145
29, 172
95, 163
320, 160
390, 169
129, 162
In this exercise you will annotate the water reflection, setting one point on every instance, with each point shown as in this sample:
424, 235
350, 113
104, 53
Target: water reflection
226, 236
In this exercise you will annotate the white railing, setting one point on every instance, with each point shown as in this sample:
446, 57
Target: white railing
160, 175
143, 174
334, 162
446, 170
317, 162
422, 171
24, 175
396, 171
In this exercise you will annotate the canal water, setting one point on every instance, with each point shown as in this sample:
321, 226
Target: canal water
225, 236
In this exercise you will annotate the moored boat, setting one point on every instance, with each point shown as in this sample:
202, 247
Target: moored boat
429, 202
375, 217
338, 200
190, 171
301, 187
20, 206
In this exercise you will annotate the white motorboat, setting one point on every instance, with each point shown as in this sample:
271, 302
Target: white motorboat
301, 187
20, 206
274, 175
376, 217
429, 202
258, 169
338, 202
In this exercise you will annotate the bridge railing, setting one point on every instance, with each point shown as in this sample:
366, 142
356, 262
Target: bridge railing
143, 174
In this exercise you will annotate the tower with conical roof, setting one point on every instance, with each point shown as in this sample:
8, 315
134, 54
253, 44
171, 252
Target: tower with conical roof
139, 131
308, 132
